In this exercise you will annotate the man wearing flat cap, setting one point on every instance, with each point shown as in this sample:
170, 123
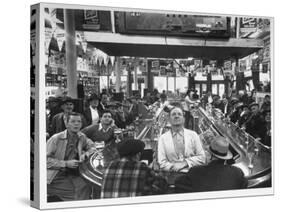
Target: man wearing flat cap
58, 123
215, 176
128, 176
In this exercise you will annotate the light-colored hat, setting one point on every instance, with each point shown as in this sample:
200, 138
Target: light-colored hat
220, 148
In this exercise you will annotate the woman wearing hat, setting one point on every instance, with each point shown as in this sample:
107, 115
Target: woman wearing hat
215, 176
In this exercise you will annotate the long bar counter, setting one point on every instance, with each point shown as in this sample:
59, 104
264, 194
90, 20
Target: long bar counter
250, 155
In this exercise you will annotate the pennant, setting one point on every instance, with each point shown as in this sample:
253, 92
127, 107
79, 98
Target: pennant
112, 60
48, 37
100, 60
84, 46
106, 60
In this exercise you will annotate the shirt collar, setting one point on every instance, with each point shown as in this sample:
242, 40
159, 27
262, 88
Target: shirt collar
64, 134
91, 108
101, 128
174, 133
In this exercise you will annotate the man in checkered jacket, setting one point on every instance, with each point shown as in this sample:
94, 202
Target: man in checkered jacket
128, 176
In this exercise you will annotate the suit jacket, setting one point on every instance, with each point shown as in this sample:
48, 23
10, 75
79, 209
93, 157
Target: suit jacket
212, 177
120, 122
95, 134
57, 124
194, 153
255, 126
56, 147
88, 115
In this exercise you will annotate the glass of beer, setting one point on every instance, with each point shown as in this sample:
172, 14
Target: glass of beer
99, 145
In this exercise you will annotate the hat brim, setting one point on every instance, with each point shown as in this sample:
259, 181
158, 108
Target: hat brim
228, 156
252, 105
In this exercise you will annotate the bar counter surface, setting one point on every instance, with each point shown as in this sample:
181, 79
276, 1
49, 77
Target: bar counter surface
250, 155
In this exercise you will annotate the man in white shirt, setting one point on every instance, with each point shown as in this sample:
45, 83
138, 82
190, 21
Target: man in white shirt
92, 113
179, 149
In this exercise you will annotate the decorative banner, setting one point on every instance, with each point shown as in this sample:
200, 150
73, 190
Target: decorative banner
100, 60
112, 60
48, 37
60, 39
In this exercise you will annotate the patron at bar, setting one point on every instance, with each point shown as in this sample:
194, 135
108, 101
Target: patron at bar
215, 176
179, 149
104, 131
128, 176
64, 152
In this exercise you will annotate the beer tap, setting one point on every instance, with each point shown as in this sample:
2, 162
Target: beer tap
256, 149
247, 141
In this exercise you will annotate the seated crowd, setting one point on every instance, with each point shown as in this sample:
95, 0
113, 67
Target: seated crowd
72, 136
242, 110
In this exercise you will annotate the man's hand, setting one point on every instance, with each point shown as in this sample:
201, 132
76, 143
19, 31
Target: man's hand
72, 164
177, 166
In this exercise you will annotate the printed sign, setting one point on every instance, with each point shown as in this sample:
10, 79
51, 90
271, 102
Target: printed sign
247, 25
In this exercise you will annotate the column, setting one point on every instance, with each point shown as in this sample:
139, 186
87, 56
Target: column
149, 77
146, 78
117, 70
70, 52
129, 80
136, 68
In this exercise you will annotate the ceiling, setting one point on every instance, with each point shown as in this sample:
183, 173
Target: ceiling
166, 47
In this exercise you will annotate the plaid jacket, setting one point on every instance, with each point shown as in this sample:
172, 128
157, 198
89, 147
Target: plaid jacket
126, 178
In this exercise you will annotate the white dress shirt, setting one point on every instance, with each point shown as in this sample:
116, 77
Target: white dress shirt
95, 115
193, 152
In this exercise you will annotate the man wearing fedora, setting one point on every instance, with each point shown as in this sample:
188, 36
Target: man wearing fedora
255, 123
58, 121
128, 176
214, 176
93, 112
179, 149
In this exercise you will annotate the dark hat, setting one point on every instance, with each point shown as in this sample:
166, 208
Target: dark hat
266, 111
219, 147
53, 99
253, 104
240, 105
130, 147
67, 99
93, 97
234, 100
111, 105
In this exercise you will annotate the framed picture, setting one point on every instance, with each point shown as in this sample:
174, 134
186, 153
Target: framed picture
107, 129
